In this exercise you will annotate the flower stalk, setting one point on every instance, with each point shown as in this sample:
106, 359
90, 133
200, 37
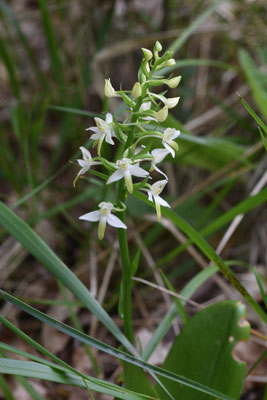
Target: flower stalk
130, 170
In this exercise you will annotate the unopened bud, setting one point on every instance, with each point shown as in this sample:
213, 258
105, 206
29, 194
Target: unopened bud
147, 54
172, 102
109, 89
158, 46
136, 90
170, 62
174, 82
162, 114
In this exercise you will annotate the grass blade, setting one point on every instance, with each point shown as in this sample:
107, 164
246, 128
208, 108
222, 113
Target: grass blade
253, 114
263, 294
35, 370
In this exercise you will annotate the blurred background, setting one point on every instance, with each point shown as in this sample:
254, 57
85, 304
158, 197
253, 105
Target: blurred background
54, 57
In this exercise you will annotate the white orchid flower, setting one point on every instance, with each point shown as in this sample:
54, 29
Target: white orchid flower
126, 169
167, 140
104, 217
86, 162
153, 194
103, 130
158, 156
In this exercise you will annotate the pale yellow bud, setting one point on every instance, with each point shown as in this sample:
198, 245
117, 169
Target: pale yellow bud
174, 82
136, 90
109, 89
158, 46
172, 102
147, 54
162, 114
170, 62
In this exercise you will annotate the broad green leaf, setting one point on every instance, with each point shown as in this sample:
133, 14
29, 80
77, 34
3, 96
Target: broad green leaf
136, 380
57, 374
106, 348
39, 249
203, 351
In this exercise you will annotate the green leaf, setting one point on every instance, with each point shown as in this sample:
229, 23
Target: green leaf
203, 351
253, 114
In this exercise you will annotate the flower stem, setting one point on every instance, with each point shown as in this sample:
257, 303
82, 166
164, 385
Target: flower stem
126, 272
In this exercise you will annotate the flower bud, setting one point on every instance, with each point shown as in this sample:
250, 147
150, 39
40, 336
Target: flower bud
147, 54
136, 90
172, 102
109, 89
158, 46
162, 114
170, 62
174, 82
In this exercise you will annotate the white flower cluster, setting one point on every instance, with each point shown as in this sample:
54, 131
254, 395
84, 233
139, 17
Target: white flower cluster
145, 112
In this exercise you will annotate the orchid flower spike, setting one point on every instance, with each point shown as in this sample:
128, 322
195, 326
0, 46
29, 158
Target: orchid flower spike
126, 169
104, 216
103, 131
167, 140
153, 194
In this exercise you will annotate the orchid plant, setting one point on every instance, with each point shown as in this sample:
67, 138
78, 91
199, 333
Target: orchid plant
144, 108
141, 147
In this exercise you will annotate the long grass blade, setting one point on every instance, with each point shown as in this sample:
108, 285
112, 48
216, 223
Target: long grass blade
35, 370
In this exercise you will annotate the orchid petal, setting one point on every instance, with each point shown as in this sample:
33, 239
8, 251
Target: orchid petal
116, 176
109, 118
93, 128
162, 202
169, 148
138, 171
115, 222
161, 172
96, 136
91, 216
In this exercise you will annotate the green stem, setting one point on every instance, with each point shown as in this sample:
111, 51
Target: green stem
126, 272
